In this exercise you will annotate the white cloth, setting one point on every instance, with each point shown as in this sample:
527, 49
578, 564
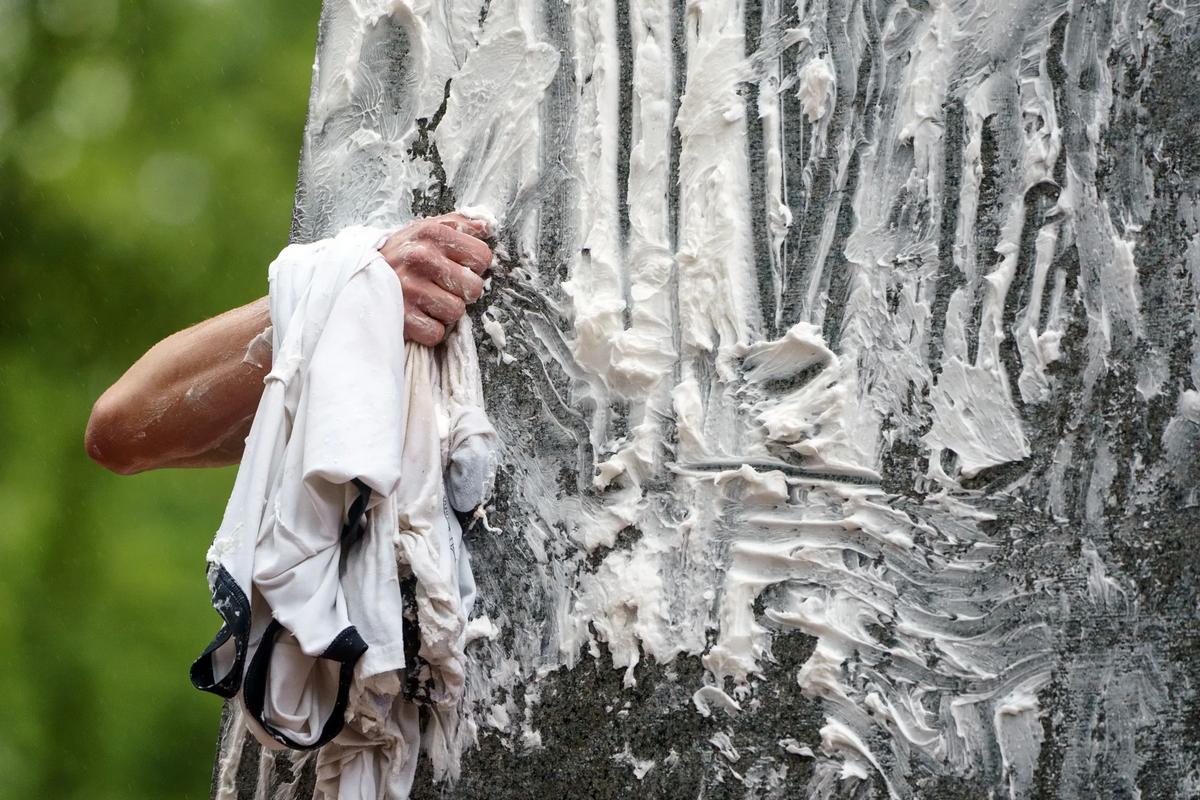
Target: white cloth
360, 446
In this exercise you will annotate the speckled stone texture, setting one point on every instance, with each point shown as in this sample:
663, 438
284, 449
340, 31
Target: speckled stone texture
1113, 475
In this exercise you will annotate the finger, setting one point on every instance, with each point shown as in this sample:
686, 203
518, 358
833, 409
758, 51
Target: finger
456, 279
447, 274
443, 306
466, 250
420, 328
480, 229
402, 248
462, 282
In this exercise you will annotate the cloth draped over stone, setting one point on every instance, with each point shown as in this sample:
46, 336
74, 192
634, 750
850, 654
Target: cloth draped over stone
341, 517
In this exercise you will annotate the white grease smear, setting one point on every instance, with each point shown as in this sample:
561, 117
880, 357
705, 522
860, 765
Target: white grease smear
744, 468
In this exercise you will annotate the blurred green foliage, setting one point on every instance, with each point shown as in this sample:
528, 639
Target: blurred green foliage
147, 163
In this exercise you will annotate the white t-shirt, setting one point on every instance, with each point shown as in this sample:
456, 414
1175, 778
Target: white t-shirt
360, 447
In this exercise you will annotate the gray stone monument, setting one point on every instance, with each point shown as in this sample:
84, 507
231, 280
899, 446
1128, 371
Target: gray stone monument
845, 358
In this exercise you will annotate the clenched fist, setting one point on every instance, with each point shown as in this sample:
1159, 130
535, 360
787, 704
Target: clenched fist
439, 261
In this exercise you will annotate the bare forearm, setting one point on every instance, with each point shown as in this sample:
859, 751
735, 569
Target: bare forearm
188, 402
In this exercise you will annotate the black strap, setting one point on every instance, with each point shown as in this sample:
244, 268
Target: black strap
346, 649
230, 602
356, 522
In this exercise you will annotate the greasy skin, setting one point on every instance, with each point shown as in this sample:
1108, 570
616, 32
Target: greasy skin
190, 400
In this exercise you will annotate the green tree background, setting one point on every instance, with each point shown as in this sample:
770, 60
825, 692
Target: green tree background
148, 157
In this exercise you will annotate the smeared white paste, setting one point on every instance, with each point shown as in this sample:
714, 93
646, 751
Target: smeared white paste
816, 89
747, 466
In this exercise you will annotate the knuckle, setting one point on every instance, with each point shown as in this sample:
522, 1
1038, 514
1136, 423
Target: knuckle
418, 297
433, 260
403, 254
430, 231
442, 311
423, 329
414, 287
439, 272
418, 266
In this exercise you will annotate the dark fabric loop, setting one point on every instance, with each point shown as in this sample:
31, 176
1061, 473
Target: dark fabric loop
346, 649
355, 525
230, 602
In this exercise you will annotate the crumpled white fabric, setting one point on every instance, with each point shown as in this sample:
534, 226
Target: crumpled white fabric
349, 406
450, 465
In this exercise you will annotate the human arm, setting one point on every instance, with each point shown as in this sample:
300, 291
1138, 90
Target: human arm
190, 400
